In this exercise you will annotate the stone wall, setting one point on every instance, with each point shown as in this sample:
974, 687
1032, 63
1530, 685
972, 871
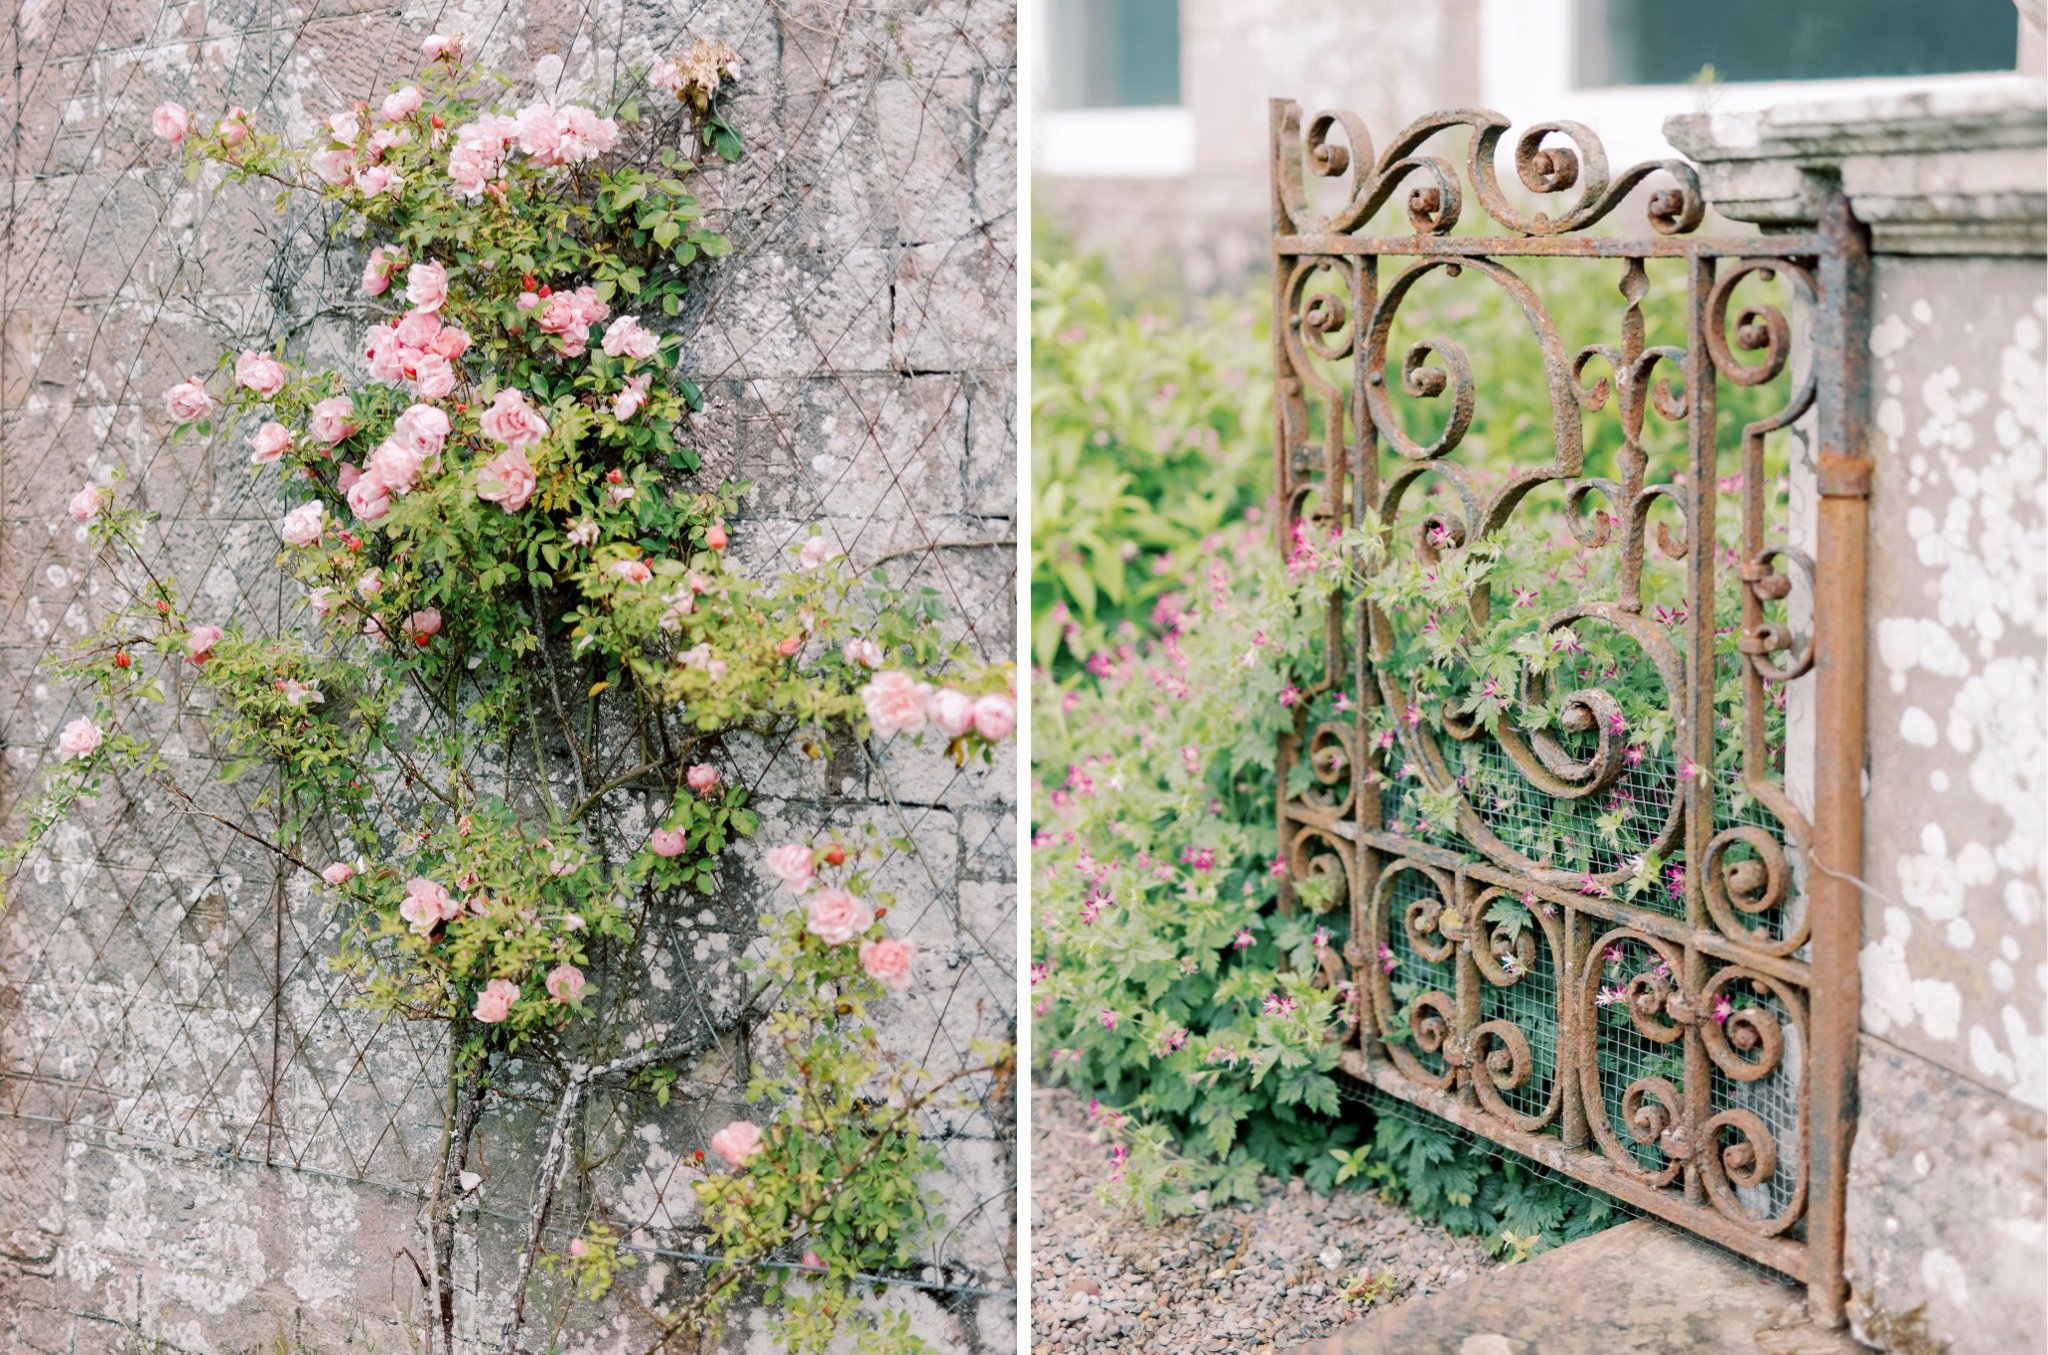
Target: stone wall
203, 1145
1948, 1190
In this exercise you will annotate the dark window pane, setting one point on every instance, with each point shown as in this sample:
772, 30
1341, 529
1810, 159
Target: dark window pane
1666, 42
1115, 53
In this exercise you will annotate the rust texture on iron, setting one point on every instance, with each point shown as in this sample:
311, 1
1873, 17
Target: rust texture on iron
1694, 1056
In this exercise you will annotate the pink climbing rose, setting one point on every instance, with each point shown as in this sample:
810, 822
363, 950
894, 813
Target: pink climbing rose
426, 286
87, 503
703, 778
837, 916
889, 960
565, 983
171, 122
259, 372
199, 643
793, 865
951, 711
512, 421
302, 525
340, 873
737, 1142
507, 480
995, 716
187, 401
332, 420
667, 841
895, 703
494, 1004
79, 739
269, 444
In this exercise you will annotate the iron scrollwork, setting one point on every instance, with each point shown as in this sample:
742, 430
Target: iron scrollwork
1658, 1050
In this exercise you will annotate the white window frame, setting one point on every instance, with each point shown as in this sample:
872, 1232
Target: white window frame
1092, 143
1525, 73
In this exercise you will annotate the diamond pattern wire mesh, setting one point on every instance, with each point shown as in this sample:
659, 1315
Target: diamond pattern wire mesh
163, 986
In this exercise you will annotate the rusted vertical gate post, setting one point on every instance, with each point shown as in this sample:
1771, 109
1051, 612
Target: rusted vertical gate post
1835, 897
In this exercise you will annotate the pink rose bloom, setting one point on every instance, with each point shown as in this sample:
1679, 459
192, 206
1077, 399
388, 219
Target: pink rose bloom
199, 643
837, 916
422, 624
737, 1142
171, 122
347, 476
417, 328
397, 464
627, 337
951, 711
324, 600
335, 167
864, 652
507, 480
451, 343
816, 551
494, 1004
424, 428
628, 401
79, 738
888, 960
667, 841
187, 401
427, 903
87, 502
440, 47
565, 983
632, 571
538, 133
340, 873
702, 778
375, 179
512, 421
269, 444
345, 127
895, 702
302, 525
995, 716
401, 104
426, 285
793, 865
370, 584
472, 167
584, 135
332, 420
369, 497
377, 272
260, 372
433, 377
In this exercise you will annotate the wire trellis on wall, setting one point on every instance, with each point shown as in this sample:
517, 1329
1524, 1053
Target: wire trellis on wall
165, 987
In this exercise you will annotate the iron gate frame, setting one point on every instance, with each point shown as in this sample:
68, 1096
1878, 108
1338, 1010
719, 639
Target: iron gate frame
1816, 973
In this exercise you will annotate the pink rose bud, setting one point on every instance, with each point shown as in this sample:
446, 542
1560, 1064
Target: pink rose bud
577, 1248
340, 873
716, 538
789, 646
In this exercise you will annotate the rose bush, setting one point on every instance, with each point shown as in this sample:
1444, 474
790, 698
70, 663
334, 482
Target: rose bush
502, 743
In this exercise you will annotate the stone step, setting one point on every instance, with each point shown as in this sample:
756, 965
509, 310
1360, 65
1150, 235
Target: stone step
1640, 1288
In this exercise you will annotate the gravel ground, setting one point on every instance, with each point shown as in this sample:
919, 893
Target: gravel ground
1244, 1278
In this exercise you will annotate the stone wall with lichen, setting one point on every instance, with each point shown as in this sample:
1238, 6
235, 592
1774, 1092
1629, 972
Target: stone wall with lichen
1949, 1176
204, 1145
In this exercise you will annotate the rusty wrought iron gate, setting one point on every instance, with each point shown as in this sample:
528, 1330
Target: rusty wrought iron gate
1617, 937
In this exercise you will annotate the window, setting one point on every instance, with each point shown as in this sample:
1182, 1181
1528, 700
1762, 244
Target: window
1109, 91
1654, 42
1114, 53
